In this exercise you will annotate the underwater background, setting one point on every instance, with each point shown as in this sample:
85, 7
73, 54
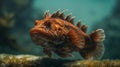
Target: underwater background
17, 18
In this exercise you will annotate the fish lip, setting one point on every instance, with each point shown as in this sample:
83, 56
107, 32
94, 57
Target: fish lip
42, 34
33, 31
36, 31
39, 34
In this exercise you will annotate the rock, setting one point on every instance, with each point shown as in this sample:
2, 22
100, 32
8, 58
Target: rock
94, 63
7, 60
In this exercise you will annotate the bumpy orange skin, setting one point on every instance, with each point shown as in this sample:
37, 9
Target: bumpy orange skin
56, 33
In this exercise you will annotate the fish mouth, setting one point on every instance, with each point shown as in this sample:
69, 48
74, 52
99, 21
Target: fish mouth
38, 34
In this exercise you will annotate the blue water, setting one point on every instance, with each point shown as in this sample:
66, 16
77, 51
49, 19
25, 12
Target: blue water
88, 11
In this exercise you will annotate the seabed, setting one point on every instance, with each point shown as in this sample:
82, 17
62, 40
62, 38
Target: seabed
7, 60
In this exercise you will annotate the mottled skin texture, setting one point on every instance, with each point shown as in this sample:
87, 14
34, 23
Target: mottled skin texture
57, 33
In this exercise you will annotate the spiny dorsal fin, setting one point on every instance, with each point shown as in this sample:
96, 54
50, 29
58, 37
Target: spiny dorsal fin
56, 14
84, 28
61, 15
72, 20
79, 23
68, 17
46, 14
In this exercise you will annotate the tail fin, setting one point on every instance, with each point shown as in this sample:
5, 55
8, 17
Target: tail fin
95, 49
98, 35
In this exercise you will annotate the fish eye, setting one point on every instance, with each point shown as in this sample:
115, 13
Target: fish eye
47, 24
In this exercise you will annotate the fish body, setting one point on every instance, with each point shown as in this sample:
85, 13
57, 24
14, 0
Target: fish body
57, 33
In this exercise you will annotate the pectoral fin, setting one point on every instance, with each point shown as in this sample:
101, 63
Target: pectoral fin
63, 54
47, 52
76, 39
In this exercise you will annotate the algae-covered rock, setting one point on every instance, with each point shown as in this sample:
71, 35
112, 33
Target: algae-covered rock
17, 60
7, 60
94, 63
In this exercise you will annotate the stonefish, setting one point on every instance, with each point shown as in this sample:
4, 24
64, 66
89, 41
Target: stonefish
57, 33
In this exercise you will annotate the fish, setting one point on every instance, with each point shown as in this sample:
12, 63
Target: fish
57, 33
